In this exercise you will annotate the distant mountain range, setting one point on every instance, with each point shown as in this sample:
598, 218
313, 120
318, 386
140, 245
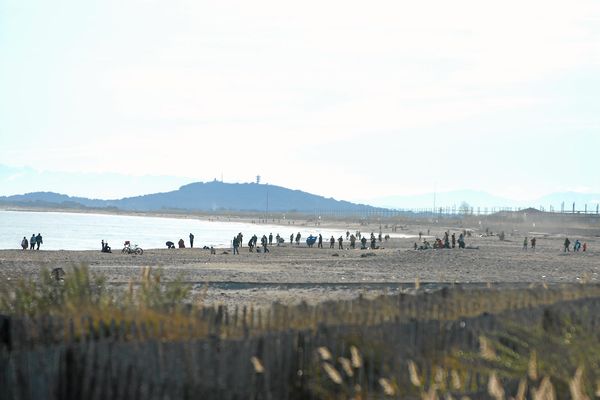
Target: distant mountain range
210, 196
47, 185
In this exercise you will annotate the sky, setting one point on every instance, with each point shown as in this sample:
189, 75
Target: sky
346, 99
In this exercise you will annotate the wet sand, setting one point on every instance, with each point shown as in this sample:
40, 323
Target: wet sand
291, 273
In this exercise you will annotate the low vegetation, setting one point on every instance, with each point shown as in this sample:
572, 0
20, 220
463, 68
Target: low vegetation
151, 340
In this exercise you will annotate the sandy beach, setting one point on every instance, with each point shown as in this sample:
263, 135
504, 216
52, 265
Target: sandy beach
291, 273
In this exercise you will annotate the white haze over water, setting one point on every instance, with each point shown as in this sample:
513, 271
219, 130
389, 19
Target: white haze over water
73, 231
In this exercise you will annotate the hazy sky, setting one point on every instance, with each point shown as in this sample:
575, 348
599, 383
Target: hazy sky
341, 98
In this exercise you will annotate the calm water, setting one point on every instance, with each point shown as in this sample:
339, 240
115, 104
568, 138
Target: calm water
71, 231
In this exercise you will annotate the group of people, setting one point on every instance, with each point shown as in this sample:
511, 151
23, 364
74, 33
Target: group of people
105, 247
448, 242
352, 238
252, 243
527, 241
577, 246
33, 243
267, 241
180, 243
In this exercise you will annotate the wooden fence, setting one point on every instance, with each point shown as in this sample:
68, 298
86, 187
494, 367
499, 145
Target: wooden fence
248, 356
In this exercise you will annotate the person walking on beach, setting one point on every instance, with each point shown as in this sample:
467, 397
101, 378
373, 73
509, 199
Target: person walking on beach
461, 241
38, 241
533, 241
24, 243
292, 238
453, 240
191, 241
567, 244
298, 236
525, 241
270, 239
363, 242
240, 239
352, 241
320, 242
331, 242
577, 245
32, 242
264, 241
236, 245
181, 244
341, 241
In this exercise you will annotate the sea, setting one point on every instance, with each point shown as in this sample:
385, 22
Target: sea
85, 231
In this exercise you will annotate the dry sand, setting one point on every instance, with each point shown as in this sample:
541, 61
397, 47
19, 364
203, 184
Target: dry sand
291, 274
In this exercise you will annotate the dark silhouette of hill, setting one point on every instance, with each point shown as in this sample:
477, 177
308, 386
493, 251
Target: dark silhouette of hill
48, 199
209, 196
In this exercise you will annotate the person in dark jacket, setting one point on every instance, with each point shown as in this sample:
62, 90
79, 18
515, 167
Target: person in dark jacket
236, 245
38, 241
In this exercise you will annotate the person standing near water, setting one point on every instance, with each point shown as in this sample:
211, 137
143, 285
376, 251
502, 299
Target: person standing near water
38, 241
32, 242
236, 245
320, 242
24, 243
191, 241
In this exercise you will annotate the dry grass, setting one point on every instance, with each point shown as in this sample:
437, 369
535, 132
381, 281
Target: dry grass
553, 356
